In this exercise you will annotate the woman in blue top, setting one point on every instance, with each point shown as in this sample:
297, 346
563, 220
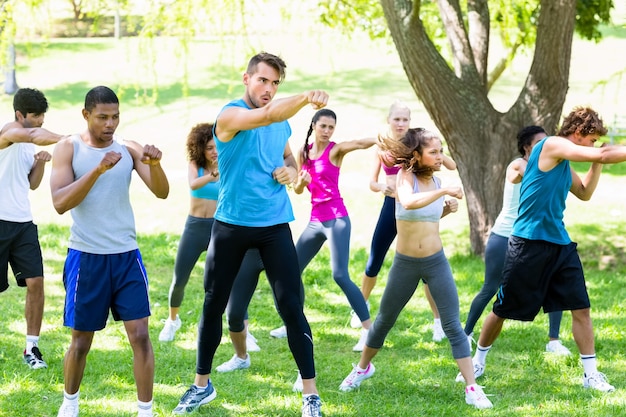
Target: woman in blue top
204, 182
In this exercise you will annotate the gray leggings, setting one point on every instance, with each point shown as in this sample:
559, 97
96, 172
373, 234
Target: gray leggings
194, 240
337, 232
404, 276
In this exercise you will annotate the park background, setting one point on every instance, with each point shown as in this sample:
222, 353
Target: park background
163, 93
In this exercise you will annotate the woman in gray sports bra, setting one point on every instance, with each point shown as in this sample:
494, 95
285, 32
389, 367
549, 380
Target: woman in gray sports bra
419, 256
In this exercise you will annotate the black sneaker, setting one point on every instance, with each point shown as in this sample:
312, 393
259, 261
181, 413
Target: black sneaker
194, 398
34, 359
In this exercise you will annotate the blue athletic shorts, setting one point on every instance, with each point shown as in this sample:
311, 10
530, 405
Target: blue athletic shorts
540, 274
19, 247
97, 284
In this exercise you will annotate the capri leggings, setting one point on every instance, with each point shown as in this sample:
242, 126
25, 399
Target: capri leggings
226, 252
404, 276
194, 240
495, 252
337, 232
384, 234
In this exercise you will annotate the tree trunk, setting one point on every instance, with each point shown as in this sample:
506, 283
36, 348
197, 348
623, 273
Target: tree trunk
482, 140
10, 82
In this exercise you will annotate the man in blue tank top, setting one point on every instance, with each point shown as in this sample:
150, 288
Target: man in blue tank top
103, 271
542, 267
253, 211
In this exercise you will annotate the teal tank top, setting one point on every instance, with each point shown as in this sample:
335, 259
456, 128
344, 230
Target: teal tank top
542, 201
208, 191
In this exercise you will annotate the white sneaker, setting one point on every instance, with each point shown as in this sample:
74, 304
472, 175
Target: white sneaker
438, 333
297, 386
360, 345
354, 379
170, 328
68, 409
355, 321
251, 344
279, 333
475, 396
479, 370
234, 364
597, 381
145, 413
556, 347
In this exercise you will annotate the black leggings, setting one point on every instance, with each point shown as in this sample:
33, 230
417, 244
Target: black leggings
227, 248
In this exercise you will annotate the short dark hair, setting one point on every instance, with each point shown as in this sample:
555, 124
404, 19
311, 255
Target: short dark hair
525, 137
100, 95
30, 100
272, 60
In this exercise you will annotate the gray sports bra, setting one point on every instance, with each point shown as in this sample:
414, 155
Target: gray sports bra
430, 213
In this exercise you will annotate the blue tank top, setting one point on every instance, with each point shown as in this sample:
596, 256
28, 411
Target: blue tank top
249, 195
542, 201
208, 191
430, 213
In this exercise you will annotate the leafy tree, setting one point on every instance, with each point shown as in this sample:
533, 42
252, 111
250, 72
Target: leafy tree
453, 82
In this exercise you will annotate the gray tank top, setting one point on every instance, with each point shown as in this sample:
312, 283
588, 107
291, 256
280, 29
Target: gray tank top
103, 223
430, 213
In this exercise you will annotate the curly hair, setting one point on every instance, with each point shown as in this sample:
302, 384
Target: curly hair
198, 137
29, 100
400, 152
582, 120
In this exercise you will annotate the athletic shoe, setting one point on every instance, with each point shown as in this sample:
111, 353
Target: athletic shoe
251, 344
597, 381
34, 359
438, 333
556, 347
170, 328
354, 379
475, 396
312, 406
68, 410
279, 333
234, 364
194, 397
360, 345
479, 370
297, 386
145, 413
355, 321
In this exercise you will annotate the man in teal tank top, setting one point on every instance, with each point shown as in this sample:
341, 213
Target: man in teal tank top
542, 268
254, 211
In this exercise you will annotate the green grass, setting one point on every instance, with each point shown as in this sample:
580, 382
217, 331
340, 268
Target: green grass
414, 375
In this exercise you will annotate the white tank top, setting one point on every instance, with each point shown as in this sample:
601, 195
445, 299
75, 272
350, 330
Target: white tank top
103, 222
16, 162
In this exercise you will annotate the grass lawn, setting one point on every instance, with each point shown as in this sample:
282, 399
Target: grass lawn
415, 376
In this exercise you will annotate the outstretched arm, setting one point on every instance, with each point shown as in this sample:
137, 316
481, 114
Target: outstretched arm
234, 119
342, 148
15, 133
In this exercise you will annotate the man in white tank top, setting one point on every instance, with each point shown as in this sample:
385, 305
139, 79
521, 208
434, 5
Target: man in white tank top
21, 169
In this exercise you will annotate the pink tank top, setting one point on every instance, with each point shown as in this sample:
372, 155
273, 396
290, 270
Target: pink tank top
326, 202
391, 170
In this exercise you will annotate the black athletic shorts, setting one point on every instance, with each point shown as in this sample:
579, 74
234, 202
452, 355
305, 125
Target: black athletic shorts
19, 247
540, 274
